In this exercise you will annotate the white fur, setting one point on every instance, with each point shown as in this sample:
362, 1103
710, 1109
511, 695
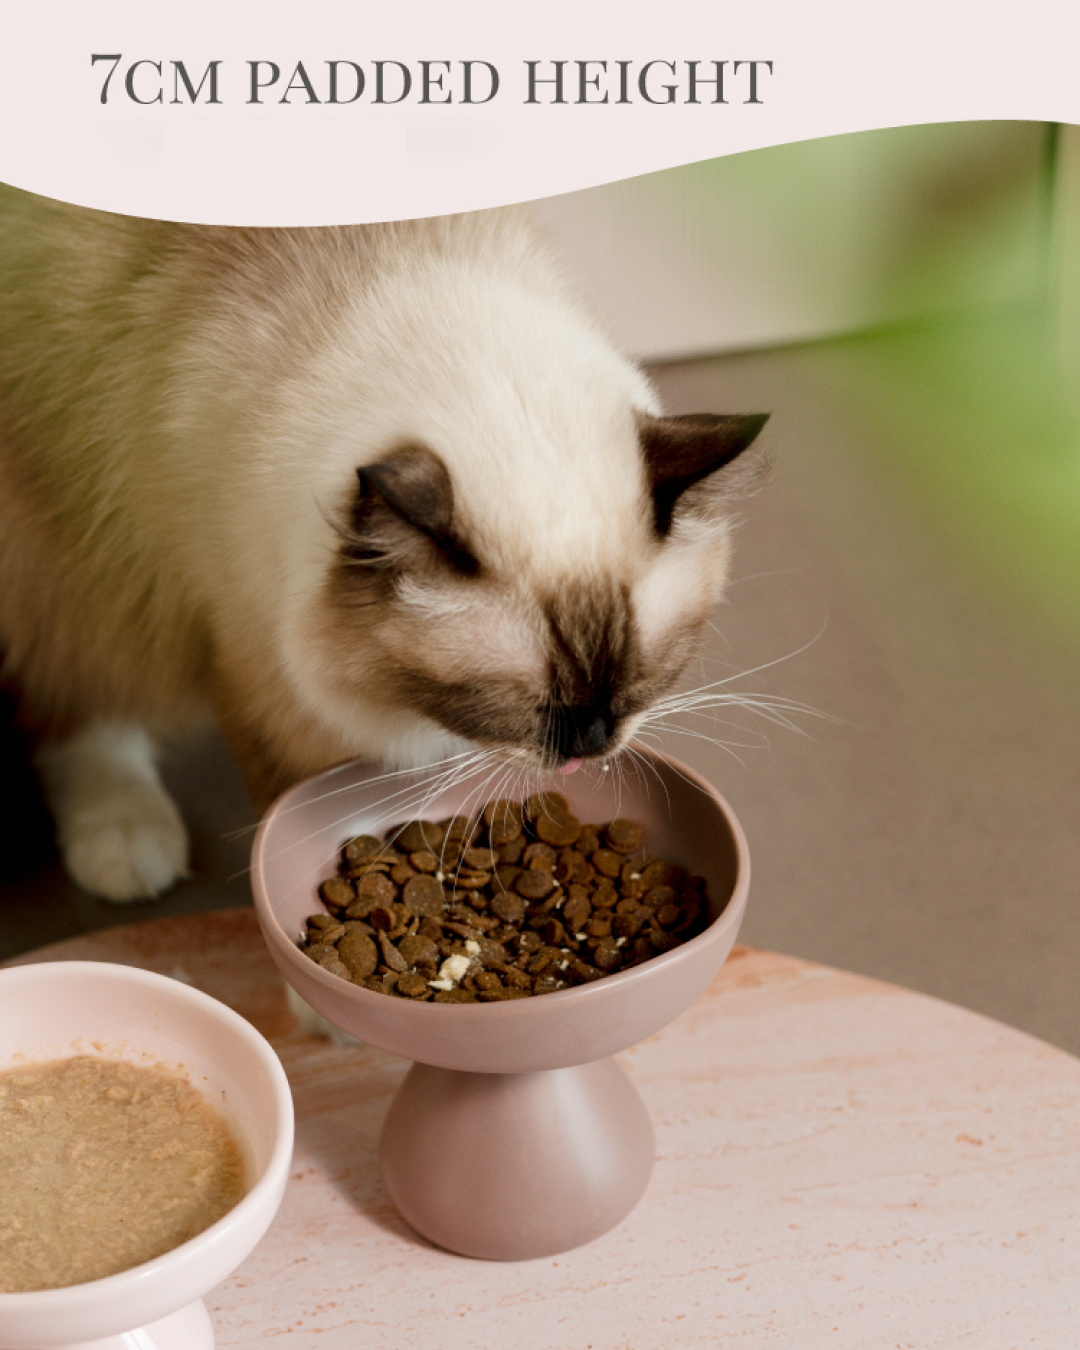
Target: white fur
119, 831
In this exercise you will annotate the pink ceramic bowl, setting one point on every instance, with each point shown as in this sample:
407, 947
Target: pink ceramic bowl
65, 1008
686, 821
568, 1145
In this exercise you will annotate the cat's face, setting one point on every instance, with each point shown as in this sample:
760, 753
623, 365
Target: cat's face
540, 618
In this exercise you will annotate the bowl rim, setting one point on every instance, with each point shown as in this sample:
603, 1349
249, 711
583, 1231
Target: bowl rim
716, 931
247, 1210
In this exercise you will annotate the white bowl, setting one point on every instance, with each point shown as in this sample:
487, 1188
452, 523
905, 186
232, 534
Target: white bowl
65, 1008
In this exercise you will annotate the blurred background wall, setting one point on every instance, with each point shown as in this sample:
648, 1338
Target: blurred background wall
816, 239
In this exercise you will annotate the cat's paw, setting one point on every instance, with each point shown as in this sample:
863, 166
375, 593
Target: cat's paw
120, 833
130, 846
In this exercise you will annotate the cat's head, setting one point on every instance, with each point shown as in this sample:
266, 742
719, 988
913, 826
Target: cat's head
537, 600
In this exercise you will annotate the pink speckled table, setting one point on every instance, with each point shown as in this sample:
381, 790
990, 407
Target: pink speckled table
840, 1163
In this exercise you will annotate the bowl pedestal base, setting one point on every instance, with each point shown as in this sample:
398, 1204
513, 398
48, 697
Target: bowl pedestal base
514, 1166
188, 1328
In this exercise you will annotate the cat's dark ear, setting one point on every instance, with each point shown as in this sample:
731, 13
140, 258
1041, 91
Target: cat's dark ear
412, 485
682, 451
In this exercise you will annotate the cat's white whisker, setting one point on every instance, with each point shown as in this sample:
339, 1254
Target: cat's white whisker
243, 830
396, 803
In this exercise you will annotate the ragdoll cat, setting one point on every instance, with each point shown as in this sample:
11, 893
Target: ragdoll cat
381, 491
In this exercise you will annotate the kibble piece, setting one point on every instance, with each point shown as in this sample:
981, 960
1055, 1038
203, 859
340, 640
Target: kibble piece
607, 955
326, 956
553, 933
375, 888
390, 954
504, 822
605, 897
642, 950
608, 864
471, 881
412, 985
324, 928
690, 905
423, 895
509, 907
668, 914
402, 872
382, 918
626, 925
511, 851
663, 942
589, 841
574, 868
492, 953
420, 834
358, 926
419, 950
663, 874
576, 913
623, 836
481, 859
657, 896
454, 996
547, 804
361, 849
321, 922
337, 893
498, 995
534, 884
359, 954
423, 861
561, 831
540, 853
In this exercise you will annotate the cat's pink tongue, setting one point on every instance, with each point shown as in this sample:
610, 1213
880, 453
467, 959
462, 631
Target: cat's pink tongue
571, 766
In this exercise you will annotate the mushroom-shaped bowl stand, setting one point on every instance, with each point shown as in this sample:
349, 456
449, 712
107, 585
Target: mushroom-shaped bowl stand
515, 1134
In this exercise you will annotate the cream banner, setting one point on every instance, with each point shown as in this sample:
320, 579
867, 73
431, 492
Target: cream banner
315, 113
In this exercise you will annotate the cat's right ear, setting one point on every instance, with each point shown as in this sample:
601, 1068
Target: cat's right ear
405, 499
682, 452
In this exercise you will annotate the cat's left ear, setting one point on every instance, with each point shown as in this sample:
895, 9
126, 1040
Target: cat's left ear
683, 451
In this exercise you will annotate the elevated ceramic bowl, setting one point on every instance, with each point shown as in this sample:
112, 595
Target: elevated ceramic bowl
515, 1134
63, 1008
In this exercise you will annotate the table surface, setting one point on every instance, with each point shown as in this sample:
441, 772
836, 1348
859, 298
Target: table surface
839, 1163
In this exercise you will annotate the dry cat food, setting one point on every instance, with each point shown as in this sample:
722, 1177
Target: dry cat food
105, 1165
523, 900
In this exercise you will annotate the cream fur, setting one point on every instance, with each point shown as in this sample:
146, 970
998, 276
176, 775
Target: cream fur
182, 413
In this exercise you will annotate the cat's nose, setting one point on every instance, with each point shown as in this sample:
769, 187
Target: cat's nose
576, 733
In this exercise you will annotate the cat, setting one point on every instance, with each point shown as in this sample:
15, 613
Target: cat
383, 491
